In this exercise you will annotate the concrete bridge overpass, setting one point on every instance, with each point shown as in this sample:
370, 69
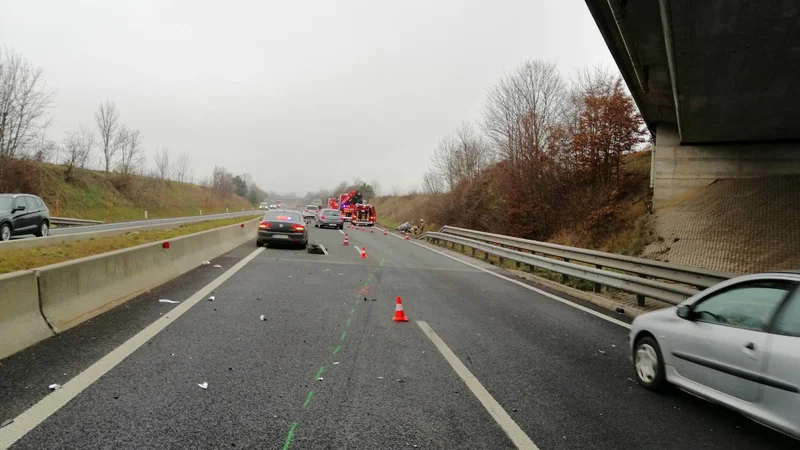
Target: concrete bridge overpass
717, 82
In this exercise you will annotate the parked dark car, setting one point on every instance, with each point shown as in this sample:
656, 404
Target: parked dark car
23, 214
282, 226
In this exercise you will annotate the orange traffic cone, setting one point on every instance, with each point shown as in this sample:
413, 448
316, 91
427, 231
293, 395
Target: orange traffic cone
384, 231
346, 242
363, 252
407, 235
362, 228
371, 229
399, 314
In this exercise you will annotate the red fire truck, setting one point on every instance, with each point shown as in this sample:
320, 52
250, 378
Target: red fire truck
363, 215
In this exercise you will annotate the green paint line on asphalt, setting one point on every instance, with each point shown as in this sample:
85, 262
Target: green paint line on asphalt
289, 436
308, 399
344, 333
336, 350
319, 373
347, 324
352, 311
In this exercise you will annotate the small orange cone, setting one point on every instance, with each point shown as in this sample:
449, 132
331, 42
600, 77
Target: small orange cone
362, 228
407, 235
399, 314
384, 231
371, 229
346, 242
364, 252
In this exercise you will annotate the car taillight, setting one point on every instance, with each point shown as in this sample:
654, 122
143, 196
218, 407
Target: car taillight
372, 218
298, 227
321, 217
263, 226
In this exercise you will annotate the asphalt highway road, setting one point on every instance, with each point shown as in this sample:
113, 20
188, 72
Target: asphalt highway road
484, 362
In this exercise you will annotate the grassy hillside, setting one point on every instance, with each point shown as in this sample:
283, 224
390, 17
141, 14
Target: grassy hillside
627, 231
84, 194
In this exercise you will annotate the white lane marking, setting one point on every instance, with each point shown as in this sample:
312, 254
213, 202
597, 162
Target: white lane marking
529, 287
514, 432
37, 413
358, 249
341, 231
324, 250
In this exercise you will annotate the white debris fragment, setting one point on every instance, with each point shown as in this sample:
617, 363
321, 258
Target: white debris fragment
211, 298
263, 317
336, 363
613, 345
217, 266
319, 379
203, 385
380, 378
205, 263
166, 300
602, 352
54, 387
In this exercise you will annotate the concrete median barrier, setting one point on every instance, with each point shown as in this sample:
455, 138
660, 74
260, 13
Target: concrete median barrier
55, 298
75, 291
21, 322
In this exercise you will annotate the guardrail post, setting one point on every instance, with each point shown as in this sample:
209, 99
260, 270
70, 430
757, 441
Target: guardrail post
564, 277
597, 287
473, 252
485, 256
518, 264
640, 298
500, 260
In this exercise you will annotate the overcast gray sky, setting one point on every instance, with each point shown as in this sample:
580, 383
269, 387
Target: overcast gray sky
300, 94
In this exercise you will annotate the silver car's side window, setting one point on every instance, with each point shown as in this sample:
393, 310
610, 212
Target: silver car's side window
788, 320
749, 305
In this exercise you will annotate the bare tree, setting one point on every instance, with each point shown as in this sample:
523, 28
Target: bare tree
163, 164
107, 120
24, 103
459, 156
130, 149
432, 182
521, 110
182, 167
77, 149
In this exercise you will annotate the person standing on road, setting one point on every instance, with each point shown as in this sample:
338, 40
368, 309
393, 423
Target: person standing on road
421, 226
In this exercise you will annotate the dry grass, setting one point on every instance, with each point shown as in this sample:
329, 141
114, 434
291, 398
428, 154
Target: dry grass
392, 211
29, 258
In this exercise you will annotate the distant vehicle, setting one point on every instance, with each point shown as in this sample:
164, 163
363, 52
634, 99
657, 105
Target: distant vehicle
363, 215
333, 203
282, 226
23, 214
273, 206
310, 211
329, 218
263, 205
736, 344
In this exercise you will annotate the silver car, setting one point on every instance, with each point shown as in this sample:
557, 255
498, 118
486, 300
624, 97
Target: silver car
329, 218
736, 343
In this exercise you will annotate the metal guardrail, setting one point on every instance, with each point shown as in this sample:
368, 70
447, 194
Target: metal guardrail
669, 291
692, 276
65, 221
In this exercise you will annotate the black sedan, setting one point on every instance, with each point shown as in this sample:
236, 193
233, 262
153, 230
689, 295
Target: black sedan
23, 214
282, 226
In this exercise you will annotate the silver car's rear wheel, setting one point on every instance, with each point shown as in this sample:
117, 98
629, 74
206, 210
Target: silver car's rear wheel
649, 364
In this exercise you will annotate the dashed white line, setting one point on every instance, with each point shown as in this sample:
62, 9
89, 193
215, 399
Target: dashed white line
324, 250
37, 413
514, 432
529, 287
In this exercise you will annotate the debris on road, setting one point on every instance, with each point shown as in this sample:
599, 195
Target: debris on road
336, 363
166, 300
258, 298
380, 378
263, 317
54, 387
400, 380
205, 263
203, 385
319, 379
217, 266
602, 352
212, 298
315, 248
